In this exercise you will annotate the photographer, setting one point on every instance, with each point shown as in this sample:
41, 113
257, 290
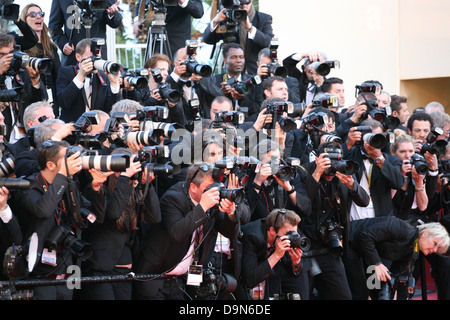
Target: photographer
10, 230
253, 34
276, 271
177, 20
269, 188
69, 20
159, 91
197, 91
332, 188
20, 85
392, 239
266, 68
234, 72
82, 87
400, 110
115, 239
192, 215
55, 217
411, 200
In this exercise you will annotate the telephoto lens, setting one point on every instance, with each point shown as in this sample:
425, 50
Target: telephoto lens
115, 162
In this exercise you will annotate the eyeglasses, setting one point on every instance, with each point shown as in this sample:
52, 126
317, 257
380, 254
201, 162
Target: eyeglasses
35, 14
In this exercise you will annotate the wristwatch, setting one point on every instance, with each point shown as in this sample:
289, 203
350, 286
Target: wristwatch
379, 159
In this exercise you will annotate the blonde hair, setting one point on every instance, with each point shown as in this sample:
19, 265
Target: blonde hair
401, 137
436, 230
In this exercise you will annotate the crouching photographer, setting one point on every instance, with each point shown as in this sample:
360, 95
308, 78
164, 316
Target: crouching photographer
181, 245
395, 240
57, 215
332, 188
277, 271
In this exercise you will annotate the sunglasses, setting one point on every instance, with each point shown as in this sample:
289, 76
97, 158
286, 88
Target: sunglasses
280, 212
203, 167
35, 14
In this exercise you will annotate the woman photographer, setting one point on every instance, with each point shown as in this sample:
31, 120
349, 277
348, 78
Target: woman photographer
33, 15
115, 238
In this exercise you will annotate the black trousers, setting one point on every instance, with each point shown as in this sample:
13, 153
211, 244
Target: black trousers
331, 283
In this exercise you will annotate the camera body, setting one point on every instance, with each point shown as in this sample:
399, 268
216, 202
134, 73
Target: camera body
433, 145
61, 238
274, 67
192, 66
368, 86
233, 117
277, 110
331, 234
298, 241
165, 91
244, 87
347, 167
419, 163
137, 78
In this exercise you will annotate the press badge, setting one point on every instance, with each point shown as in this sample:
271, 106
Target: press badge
195, 275
49, 257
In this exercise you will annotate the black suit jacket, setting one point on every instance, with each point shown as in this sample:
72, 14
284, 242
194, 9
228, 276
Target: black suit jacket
71, 99
264, 34
178, 22
382, 180
107, 240
169, 241
291, 65
62, 27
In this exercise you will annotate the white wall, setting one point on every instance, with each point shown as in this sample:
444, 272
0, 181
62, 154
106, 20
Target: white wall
361, 34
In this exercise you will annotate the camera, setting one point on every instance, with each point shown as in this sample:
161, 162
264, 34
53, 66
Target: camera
325, 100
114, 162
364, 130
8, 10
368, 86
433, 145
331, 234
152, 113
234, 117
244, 87
165, 91
315, 120
236, 195
148, 156
419, 162
379, 140
161, 128
274, 67
384, 116
347, 167
277, 109
7, 166
136, 78
61, 238
21, 60
234, 16
14, 184
99, 63
282, 169
11, 95
324, 68
192, 66
298, 241
239, 166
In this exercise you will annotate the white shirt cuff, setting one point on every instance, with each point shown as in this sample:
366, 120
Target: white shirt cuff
175, 76
78, 83
184, 4
6, 215
252, 33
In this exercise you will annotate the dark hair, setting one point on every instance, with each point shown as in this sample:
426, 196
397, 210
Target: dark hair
6, 40
49, 151
396, 102
268, 83
419, 116
265, 52
153, 60
196, 175
228, 46
328, 83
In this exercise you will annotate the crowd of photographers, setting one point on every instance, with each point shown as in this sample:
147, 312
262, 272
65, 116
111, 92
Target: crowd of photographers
172, 182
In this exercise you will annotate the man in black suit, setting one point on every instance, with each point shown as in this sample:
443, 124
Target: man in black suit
379, 173
253, 34
81, 88
186, 237
279, 268
177, 22
234, 60
67, 31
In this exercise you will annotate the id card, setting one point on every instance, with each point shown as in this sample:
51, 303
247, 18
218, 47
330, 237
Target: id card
195, 275
49, 257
